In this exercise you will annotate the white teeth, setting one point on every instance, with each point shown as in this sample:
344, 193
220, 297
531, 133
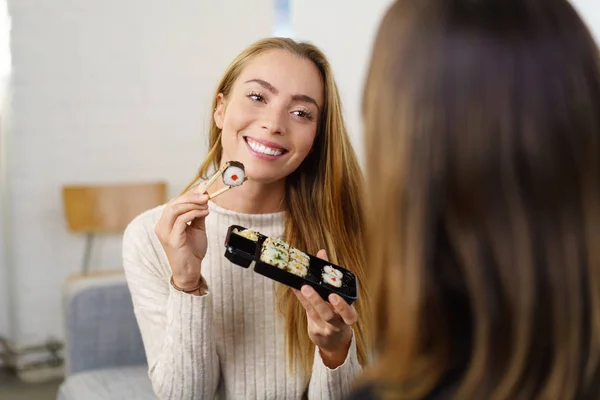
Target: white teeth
263, 149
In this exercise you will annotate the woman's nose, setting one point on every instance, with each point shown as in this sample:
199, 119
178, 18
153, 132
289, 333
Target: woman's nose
273, 122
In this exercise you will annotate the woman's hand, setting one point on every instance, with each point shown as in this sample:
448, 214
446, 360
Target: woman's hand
182, 234
329, 324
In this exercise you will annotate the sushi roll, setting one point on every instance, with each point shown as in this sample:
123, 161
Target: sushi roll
329, 270
234, 174
299, 256
332, 280
297, 268
247, 233
277, 243
275, 257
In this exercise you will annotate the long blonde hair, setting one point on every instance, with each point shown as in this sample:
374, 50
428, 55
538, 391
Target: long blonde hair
482, 125
323, 197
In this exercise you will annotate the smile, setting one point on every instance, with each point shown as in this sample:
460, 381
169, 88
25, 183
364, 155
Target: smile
262, 149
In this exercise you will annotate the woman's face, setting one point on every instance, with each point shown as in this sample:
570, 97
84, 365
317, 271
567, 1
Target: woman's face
269, 120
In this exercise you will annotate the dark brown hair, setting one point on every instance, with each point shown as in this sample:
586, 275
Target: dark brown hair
482, 123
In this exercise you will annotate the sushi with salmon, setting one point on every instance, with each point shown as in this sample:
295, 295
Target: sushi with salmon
234, 174
332, 276
329, 270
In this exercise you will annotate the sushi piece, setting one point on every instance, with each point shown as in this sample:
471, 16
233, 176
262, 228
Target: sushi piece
274, 256
329, 270
299, 256
247, 233
234, 174
332, 280
297, 268
277, 243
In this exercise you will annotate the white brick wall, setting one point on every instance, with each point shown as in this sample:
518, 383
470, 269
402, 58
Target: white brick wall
344, 30
119, 90
107, 91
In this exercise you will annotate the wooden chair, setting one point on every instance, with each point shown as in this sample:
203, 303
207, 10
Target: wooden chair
107, 209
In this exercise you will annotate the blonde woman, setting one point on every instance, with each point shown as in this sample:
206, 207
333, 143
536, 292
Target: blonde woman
210, 327
482, 123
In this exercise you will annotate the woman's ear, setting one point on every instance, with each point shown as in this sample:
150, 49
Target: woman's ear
219, 114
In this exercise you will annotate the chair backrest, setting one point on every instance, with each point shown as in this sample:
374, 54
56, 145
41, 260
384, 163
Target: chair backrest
109, 208
101, 328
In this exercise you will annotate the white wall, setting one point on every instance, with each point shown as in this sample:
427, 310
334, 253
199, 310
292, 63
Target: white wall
589, 10
5, 63
344, 30
106, 91
119, 90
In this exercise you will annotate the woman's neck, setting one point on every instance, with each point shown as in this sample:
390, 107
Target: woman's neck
251, 197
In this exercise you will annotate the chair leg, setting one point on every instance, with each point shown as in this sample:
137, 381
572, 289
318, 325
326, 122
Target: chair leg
89, 242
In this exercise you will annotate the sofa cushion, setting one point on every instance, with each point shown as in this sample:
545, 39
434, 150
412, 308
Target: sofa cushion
101, 329
124, 383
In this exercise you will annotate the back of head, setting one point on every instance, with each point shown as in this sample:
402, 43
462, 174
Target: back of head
482, 122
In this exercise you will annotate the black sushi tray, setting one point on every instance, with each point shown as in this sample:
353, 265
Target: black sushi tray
246, 253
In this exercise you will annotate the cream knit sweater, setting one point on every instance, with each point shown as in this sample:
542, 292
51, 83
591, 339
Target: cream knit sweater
228, 343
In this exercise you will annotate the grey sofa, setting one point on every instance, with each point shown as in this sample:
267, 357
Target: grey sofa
104, 354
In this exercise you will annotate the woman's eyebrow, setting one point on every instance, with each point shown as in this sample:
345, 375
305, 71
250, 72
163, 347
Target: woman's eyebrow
265, 84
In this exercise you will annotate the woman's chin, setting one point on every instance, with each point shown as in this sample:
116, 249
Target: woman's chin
259, 175
265, 180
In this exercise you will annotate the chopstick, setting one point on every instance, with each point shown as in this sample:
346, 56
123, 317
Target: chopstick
223, 190
212, 179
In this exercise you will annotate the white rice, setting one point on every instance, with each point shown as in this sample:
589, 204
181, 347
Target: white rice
274, 257
329, 270
332, 280
299, 256
233, 176
277, 243
248, 234
297, 268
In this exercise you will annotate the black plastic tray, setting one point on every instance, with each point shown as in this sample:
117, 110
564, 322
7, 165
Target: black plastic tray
243, 252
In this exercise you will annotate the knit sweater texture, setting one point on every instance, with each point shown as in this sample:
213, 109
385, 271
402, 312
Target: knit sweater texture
228, 343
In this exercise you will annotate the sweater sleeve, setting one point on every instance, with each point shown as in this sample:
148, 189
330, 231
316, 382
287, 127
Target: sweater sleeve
175, 326
332, 384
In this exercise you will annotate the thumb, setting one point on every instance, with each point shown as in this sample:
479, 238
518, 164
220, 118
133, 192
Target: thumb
322, 254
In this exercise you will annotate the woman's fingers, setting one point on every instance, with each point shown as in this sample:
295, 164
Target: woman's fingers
181, 205
181, 223
192, 198
199, 223
323, 309
174, 211
310, 311
343, 309
322, 254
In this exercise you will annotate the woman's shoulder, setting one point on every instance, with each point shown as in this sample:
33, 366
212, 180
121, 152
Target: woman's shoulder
140, 241
144, 223
144, 259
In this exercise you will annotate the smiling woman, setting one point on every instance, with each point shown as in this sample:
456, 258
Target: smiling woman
272, 114
205, 321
